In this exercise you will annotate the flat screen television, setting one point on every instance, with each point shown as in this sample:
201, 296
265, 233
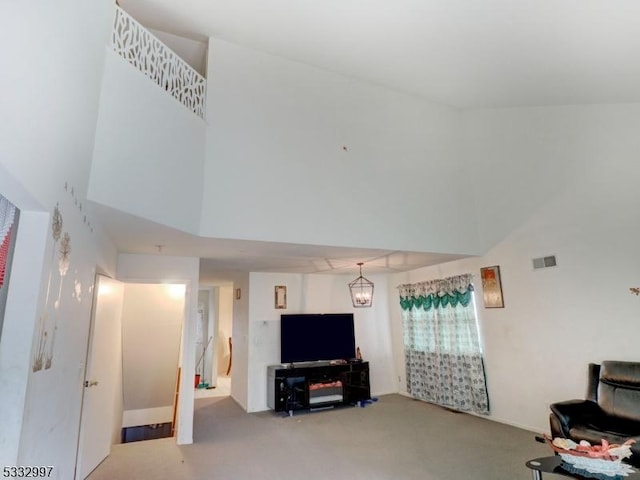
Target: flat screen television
313, 337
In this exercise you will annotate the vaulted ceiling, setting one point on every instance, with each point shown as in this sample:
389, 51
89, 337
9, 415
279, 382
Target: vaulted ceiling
462, 53
467, 54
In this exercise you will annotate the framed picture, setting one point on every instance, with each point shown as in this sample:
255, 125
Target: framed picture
238, 294
492, 287
281, 297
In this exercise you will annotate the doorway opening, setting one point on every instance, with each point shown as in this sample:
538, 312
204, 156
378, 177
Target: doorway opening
132, 375
152, 326
214, 345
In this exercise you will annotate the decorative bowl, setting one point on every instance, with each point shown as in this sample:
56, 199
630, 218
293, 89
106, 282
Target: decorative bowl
604, 459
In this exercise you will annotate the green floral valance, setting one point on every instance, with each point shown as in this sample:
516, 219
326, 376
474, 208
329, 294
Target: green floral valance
437, 293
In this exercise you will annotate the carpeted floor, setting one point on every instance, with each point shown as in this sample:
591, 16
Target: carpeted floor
222, 389
393, 438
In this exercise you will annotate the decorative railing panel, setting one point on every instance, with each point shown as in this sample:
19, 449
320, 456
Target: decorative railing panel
152, 57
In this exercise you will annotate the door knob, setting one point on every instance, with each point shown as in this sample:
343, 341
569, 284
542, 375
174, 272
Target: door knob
90, 383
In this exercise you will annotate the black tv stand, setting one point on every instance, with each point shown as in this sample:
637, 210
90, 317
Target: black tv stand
317, 385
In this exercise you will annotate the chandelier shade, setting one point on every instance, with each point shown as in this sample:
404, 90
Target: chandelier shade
361, 290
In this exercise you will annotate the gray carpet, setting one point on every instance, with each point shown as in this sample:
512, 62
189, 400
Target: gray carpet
394, 438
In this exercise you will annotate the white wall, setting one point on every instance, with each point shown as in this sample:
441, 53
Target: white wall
152, 322
168, 269
315, 294
573, 172
49, 94
275, 146
240, 385
149, 150
54, 395
522, 160
118, 394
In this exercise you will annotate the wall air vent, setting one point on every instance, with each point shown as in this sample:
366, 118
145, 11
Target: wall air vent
544, 262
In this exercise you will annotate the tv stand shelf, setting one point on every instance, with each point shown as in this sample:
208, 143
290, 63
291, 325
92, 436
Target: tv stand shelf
314, 385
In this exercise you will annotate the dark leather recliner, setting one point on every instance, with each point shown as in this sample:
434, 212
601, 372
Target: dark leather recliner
611, 410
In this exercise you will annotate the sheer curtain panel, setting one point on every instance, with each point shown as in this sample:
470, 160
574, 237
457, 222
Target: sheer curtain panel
443, 355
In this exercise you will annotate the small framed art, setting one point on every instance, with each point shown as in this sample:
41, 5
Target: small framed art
492, 287
281, 297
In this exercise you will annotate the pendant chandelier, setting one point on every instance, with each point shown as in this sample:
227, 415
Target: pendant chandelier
361, 291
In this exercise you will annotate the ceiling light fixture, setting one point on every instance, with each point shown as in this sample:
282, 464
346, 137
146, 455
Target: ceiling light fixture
361, 291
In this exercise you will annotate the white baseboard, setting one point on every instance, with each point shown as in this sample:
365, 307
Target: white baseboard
489, 417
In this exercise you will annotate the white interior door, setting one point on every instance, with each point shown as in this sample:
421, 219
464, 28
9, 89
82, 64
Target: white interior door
102, 399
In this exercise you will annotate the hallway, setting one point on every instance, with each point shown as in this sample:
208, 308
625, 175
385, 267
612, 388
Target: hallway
223, 389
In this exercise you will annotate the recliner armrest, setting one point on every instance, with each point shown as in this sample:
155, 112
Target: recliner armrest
575, 411
593, 379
